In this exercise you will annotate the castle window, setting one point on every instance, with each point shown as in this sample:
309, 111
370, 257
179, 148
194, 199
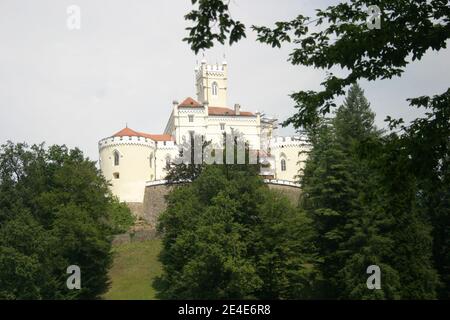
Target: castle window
116, 175
191, 118
214, 88
116, 158
222, 126
283, 165
151, 160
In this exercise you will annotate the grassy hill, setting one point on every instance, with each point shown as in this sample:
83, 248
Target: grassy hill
135, 266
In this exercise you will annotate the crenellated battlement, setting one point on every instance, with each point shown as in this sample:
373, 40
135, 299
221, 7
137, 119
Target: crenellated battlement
166, 144
215, 67
114, 141
290, 141
205, 69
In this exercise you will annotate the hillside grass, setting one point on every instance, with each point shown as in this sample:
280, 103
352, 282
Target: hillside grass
134, 268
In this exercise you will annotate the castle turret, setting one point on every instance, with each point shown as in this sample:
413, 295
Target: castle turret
211, 83
128, 159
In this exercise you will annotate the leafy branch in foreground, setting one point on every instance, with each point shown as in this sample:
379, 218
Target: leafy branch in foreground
340, 38
211, 14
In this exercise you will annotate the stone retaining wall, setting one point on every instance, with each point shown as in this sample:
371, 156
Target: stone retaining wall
292, 193
155, 202
135, 236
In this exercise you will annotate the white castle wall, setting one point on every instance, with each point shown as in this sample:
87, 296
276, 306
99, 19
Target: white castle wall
164, 150
209, 126
248, 126
183, 126
294, 150
136, 165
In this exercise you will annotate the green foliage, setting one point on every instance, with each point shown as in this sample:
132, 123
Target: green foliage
227, 236
202, 35
363, 200
120, 217
55, 211
284, 250
427, 143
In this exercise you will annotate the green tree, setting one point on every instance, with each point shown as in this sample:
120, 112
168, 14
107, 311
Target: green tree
410, 229
55, 211
327, 196
284, 251
341, 196
226, 236
427, 144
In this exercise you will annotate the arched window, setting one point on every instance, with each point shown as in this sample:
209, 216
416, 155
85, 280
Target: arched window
214, 88
116, 158
283, 164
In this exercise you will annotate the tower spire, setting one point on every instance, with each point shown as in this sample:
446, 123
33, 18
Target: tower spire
203, 57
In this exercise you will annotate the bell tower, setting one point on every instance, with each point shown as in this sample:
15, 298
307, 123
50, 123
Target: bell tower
211, 83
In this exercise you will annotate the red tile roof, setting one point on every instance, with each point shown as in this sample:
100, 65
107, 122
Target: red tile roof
221, 111
161, 137
213, 111
189, 102
127, 132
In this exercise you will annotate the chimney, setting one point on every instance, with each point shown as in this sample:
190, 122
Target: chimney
175, 106
237, 109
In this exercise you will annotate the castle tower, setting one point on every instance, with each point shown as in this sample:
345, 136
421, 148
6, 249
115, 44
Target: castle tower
211, 83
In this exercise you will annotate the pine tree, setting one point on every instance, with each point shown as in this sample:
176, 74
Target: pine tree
340, 195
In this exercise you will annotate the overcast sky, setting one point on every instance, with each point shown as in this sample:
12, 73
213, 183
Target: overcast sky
127, 63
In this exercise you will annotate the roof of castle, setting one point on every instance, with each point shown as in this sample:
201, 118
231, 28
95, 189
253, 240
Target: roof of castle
213, 111
127, 132
190, 103
221, 111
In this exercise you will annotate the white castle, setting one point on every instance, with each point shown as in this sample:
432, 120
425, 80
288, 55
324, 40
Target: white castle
132, 160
